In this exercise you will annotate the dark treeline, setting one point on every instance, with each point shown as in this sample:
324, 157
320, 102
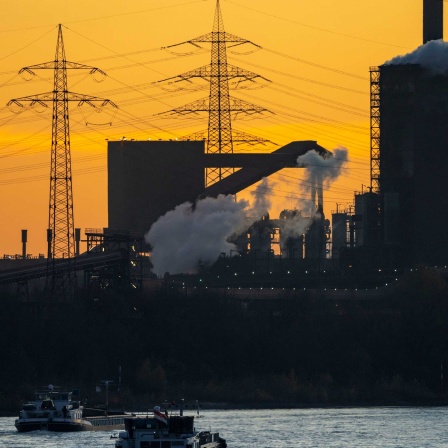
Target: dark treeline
303, 350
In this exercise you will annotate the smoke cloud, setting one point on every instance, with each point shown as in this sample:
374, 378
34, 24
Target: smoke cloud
188, 235
328, 168
293, 224
262, 201
433, 55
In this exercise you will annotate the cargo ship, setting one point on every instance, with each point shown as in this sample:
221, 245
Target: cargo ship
160, 429
56, 410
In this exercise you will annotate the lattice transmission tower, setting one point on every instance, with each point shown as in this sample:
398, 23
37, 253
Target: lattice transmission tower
221, 107
61, 230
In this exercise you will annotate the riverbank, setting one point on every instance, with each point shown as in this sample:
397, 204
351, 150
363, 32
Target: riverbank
227, 406
281, 353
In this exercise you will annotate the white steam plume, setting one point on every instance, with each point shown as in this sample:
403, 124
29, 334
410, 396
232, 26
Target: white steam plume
262, 201
327, 168
293, 224
187, 235
433, 55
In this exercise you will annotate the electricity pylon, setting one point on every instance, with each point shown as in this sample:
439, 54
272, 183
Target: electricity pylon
61, 231
219, 105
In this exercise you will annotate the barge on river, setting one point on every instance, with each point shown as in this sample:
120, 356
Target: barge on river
161, 430
56, 410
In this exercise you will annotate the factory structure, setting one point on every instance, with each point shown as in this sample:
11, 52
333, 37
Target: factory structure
141, 189
148, 180
397, 223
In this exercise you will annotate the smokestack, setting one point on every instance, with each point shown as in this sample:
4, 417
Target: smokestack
317, 190
432, 20
24, 240
320, 194
77, 240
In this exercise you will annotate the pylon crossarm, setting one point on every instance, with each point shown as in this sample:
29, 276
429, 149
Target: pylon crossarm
190, 108
211, 38
45, 65
234, 71
51, 65
92, 70
231, 38
205, 38
26, 70
200, 135
42, 98
240, 137
201, 72
194, 44
222, 36
236, 106
15, 102
90, 100
205, 71
241, 106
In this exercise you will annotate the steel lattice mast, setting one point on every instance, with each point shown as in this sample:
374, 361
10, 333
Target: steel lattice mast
219, 122
61, 220
220, 105
61, 217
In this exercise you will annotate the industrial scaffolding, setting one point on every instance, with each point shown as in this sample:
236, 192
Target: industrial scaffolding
375, 120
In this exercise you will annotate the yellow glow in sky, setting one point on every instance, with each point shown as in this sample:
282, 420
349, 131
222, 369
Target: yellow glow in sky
316, 54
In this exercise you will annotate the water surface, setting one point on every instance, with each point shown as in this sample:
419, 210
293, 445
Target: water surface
388, 427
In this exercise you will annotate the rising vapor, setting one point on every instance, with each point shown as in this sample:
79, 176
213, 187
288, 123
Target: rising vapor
293, 224
262, 200
187, 235
317, 169
193, 234
433, 55
328, 168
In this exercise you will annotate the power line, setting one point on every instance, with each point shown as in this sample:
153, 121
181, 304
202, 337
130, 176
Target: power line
315, 27
313, 64
312, 81
26, 46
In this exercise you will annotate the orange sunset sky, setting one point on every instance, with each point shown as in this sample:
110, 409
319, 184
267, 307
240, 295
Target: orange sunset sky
316, 54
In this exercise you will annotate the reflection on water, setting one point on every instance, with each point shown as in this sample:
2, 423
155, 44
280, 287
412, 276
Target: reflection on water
408, 427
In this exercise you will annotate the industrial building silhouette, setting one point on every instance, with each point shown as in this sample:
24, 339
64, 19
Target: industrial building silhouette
398, 222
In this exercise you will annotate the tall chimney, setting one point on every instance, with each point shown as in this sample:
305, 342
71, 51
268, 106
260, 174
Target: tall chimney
432, 20
77, 240
24, 240
317, 190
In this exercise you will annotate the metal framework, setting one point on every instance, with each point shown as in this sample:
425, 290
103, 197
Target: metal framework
375, 120
61, 219
128, 274
220, 106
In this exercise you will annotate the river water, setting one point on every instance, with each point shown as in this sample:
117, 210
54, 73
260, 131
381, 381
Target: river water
385, 427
